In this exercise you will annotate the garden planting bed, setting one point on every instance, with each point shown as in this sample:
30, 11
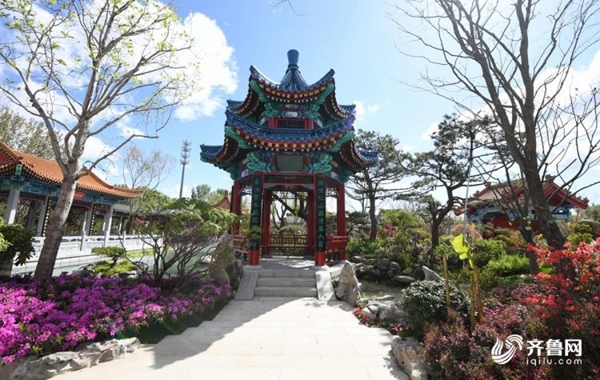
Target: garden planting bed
38, 318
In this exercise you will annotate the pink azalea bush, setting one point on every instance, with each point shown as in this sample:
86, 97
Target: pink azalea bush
43, 317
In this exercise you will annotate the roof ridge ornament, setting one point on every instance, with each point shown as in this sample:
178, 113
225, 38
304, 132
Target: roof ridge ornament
292, 80
293, 56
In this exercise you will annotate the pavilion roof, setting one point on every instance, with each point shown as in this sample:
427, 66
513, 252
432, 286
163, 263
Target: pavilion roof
505, 192
292, 89
49, 172
329, 127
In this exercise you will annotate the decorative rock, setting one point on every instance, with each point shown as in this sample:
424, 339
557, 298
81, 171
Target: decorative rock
223, 256
402, 280
325, 290
33, 368
410, 358
348, 288
431, 275
382, 263
387, 297
385, 311
359, 259
382, 270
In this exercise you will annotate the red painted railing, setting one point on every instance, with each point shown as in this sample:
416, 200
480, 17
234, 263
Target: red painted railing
288, 241
336, 248
240, 243
336, 245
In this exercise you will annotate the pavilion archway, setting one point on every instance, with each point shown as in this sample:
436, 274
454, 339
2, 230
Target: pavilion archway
295, 137
315, 242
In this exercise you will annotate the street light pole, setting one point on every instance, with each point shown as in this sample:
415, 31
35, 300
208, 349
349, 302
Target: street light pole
186, 148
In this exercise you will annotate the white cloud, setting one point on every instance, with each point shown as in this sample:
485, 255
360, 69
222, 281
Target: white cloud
408, 148
173, 190
94, 148
429, 131
363, 109
217, 68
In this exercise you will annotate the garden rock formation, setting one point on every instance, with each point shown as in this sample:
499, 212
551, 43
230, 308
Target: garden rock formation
385, 311
348, 287
224, 265
430, 275
383, 269
34, 368
409, 355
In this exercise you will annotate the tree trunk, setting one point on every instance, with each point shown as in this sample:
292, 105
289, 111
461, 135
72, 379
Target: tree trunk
435, 234
55, 229
373, 218
527, 234
543, 215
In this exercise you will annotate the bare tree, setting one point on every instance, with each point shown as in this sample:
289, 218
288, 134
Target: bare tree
517, 60
85, 68
144, 172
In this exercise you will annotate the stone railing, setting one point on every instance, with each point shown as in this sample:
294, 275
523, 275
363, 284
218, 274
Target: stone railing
76, 251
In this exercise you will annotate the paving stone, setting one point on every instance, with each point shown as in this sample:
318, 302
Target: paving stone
265, 338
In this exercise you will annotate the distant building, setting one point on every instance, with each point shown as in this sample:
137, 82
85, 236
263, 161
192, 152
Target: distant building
492, 204
29, 189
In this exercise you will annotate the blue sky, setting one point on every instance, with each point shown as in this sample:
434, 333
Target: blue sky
355, 38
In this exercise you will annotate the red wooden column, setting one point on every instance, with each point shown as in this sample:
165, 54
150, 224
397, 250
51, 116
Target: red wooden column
341, 215
310, 223
236, 206
266, 223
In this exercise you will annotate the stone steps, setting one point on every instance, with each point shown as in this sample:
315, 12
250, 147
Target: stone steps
271, 291
286, 283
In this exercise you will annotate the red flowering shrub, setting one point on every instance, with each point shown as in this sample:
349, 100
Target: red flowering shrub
570, 307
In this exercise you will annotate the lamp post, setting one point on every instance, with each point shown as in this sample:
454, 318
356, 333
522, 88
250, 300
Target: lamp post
185, 159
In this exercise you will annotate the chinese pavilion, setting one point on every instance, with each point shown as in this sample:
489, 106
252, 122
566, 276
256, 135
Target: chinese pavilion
35, 182
294, 137
489, 205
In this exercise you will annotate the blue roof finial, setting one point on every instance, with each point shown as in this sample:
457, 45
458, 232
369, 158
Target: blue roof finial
293, 59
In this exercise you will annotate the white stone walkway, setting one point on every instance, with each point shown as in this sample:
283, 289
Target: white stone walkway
263, 339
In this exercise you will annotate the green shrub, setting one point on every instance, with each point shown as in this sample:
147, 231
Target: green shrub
107, 268
362, 246
580, 232
484, 251
291, 229
17, 243
114, 253
514, 244
404, 259
507, 265
425, 302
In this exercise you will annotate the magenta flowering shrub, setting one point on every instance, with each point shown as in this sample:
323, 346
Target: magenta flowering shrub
40, 318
